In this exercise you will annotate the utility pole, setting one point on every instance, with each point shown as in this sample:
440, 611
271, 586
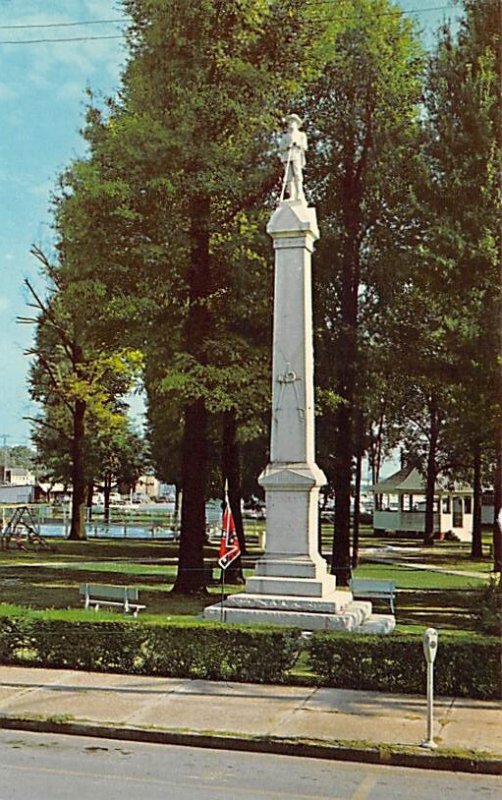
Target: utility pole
5, 436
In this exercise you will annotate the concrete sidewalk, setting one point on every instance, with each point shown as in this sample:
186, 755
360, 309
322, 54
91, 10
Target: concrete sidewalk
319, 722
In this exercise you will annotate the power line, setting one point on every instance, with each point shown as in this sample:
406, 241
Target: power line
69, 39
398, 12
62, 24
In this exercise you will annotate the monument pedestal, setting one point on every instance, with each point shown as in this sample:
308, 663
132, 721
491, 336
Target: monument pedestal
291, 584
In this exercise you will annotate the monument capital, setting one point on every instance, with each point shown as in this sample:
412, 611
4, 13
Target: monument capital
293, 218
277, 476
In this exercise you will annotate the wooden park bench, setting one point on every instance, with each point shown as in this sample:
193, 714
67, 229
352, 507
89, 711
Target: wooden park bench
124, 597
368, 588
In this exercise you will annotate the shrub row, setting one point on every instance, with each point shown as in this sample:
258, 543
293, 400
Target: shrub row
175, 650
465, 666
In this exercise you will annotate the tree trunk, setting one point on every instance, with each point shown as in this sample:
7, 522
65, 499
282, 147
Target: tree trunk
231, 473
431, 476
376, 438
352, 194
191, 576
357, 491
77, 526
344, 443
497, 503
340, 564
477, 537
90, 493
107, 490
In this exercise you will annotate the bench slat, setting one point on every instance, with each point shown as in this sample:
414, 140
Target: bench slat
367, 587
96, 594
108, 591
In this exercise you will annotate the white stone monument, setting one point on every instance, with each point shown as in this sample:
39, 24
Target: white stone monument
291, 584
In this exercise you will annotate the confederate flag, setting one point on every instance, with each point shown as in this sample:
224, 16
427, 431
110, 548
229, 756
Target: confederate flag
229, 544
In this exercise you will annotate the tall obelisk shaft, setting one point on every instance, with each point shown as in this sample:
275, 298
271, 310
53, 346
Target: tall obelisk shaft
292, 478
293, 228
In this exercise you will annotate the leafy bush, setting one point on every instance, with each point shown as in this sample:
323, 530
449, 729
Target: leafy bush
466, 666
14, 636
488, 607
197, 650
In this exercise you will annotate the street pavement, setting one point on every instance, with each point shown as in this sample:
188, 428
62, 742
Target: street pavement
35, 766
295, 720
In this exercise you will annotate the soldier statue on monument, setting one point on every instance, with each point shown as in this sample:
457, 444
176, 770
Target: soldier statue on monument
292, 149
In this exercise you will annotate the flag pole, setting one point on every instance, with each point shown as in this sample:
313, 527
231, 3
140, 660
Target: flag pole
222, 593
225, 500
229, 547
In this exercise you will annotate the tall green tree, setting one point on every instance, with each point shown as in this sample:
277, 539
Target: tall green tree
77, 383
461, 253
177, 166
364, 111
116, 456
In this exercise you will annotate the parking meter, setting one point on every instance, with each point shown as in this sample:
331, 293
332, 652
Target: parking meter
430, 642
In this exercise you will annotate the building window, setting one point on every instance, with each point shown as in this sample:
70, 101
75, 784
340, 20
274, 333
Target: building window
458, 517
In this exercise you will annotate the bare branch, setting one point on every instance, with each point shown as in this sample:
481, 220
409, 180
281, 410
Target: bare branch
26, 320
54, 380
65, 340
45, 424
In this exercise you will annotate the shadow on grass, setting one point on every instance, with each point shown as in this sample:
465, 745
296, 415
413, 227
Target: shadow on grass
151, 566
448, 609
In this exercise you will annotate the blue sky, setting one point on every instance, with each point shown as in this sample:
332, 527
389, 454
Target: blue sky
42, 103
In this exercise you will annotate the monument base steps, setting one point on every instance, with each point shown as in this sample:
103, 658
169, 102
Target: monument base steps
339, 612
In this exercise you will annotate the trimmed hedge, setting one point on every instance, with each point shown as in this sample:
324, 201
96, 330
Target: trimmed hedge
178, 650
465, 666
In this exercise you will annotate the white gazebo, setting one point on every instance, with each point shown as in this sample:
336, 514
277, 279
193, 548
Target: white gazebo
400, 506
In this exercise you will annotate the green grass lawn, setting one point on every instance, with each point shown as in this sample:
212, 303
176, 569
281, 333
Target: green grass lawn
45, 580
406, 577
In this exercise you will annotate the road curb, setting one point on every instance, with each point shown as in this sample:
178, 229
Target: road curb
383, 754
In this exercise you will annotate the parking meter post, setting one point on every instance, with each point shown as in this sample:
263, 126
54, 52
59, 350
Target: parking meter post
430, 644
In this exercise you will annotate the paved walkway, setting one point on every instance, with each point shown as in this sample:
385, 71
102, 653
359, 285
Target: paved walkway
411, 559
322, 722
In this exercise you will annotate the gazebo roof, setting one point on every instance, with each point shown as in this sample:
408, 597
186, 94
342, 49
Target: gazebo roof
411, 481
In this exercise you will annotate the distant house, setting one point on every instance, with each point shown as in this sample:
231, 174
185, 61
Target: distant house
17, 485
147, 486
54, 492
400, 506
17, 495
16, 476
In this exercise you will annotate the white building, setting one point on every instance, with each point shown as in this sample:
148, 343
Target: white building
400, 506
17, 476
147, 487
